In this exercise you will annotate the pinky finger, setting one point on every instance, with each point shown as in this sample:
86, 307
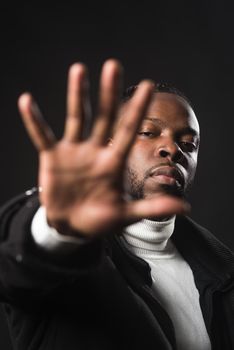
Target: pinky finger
38, 130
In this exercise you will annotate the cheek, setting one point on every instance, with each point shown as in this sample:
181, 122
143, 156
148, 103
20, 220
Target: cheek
192, 166
138, 158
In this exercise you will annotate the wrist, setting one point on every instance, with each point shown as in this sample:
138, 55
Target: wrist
64, 229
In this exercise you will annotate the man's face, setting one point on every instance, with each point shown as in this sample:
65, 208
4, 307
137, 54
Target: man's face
164, 155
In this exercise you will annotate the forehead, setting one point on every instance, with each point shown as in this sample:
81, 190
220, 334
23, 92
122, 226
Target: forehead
171, 110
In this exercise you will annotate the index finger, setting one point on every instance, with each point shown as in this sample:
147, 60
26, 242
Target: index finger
127, 129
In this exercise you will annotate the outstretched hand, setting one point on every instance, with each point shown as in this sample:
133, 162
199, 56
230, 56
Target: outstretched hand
82, 179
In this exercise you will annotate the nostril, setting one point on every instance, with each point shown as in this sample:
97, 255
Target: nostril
163, 153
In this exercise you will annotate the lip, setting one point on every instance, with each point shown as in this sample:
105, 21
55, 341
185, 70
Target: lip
169, 172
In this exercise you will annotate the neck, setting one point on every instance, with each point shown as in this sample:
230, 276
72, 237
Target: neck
150, 235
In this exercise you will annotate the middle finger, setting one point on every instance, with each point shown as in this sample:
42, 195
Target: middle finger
110, 85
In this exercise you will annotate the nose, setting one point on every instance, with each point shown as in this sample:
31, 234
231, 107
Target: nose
168, 148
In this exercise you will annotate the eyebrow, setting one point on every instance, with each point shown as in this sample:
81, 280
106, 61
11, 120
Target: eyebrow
184, 131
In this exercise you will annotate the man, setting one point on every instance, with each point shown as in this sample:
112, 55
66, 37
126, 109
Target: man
98, 261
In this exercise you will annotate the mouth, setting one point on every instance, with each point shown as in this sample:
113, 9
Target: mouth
168, 175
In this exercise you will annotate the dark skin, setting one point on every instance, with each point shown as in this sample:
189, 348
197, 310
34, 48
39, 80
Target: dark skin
164, 155
83, 180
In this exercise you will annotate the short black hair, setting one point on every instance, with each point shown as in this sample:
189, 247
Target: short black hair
159, 87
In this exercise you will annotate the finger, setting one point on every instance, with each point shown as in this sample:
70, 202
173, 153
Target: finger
38, 130
131, 121
78, 104
160, 207
110, 86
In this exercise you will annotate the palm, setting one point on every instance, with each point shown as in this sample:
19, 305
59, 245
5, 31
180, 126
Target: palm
88, 189
82, 179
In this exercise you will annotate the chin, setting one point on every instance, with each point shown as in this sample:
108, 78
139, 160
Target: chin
165, 189
174, 191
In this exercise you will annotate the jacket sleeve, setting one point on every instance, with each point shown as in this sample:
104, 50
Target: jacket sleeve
26, 270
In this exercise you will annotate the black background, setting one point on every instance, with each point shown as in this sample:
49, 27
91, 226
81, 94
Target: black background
187, 43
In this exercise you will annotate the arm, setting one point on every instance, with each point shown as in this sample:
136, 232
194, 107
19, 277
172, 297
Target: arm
28, 272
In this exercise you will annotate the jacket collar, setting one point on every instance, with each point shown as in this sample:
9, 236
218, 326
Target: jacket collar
211, 261
134, 269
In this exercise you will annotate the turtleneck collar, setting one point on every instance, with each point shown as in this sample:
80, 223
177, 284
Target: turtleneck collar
146, 238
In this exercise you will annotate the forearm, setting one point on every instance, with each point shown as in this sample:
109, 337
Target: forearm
26, 267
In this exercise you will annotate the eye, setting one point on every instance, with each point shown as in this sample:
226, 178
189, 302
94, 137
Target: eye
146, 133
187, 146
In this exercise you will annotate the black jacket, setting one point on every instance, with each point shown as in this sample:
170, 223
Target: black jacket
100, 296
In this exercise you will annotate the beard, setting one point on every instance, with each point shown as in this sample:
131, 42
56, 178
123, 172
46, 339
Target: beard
135, 187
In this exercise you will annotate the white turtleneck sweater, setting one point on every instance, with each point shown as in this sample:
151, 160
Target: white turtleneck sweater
173, 281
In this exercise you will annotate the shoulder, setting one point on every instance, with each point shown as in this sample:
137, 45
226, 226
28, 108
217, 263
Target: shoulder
19, 209
198, 243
